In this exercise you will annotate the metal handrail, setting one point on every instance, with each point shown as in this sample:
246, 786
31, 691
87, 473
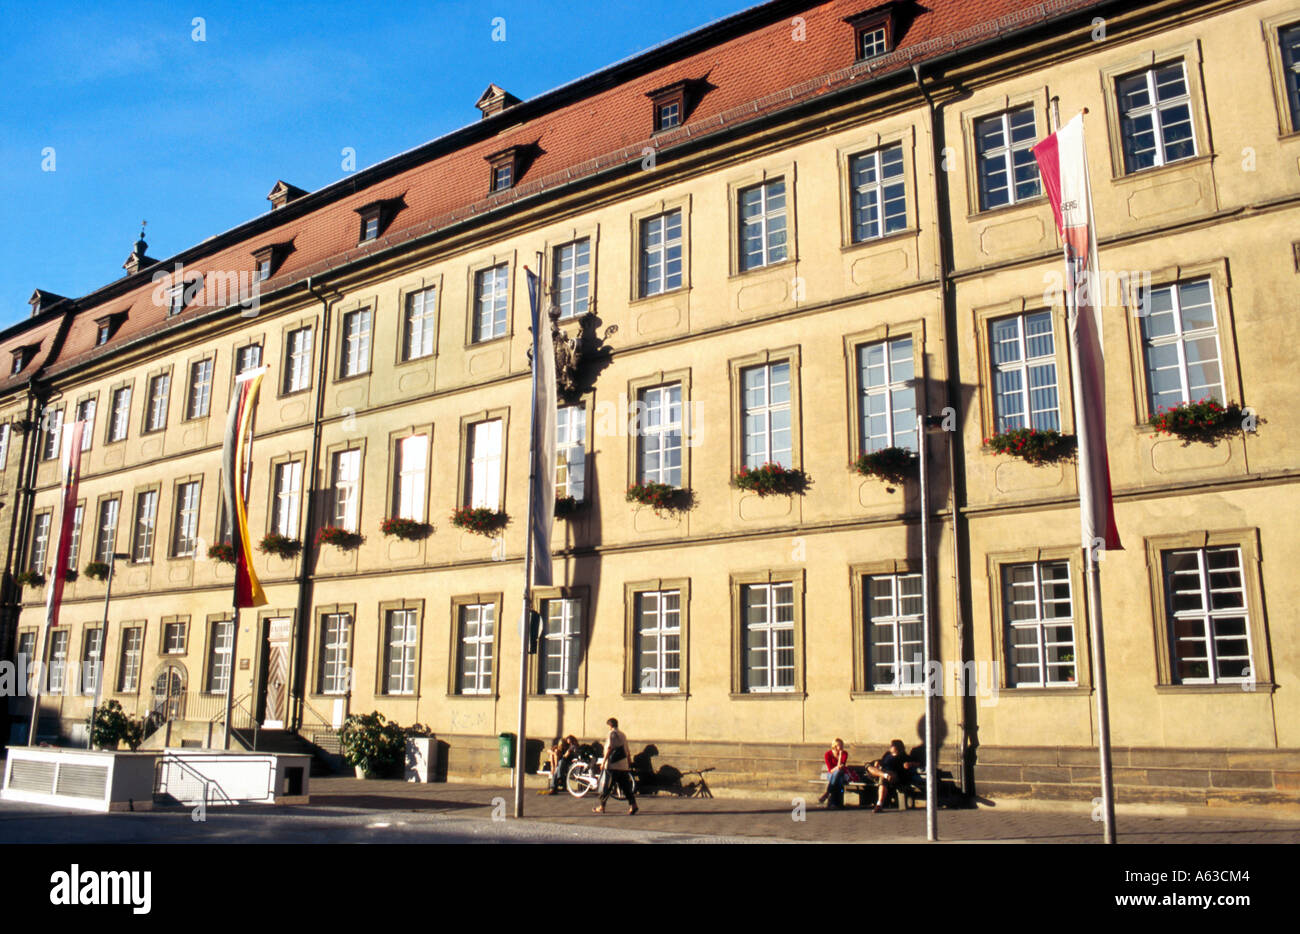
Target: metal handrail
207, 783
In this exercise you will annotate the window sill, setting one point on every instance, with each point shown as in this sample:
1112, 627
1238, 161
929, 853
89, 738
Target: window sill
909, 694
293, 392
328, 697
1246, 687
757, 271
189, 419
1076, 691
490, 696
661, 695
984, 213
649, 299
153, 431
1189, 162
423, 358
351, 377
534, 695
487, 341
904, 234
769, 695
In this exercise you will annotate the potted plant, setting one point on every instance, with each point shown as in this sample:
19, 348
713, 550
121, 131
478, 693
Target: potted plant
30, 579
658, 496
1034, 446
408, 529
567, 505
339, 538
1204, 420
372, 745
97, 569
480, 520
108, 725
223, 552
893, 465
771, 480
282, 546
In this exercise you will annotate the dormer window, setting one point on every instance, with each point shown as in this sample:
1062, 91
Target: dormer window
106, 327
508, 166
376, 216
22, 357
176, 300
875, 31
672, 104
269, 258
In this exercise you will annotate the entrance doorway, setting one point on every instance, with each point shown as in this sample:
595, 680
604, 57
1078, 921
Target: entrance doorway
274, 702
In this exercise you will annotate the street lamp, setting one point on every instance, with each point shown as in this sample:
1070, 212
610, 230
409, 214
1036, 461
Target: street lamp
113, 558
923, 422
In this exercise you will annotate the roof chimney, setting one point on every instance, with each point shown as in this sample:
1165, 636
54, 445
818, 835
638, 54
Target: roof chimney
494, 100
41, 300
138, 260
282, 193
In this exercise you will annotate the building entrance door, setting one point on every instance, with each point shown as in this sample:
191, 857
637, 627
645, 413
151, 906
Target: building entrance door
275, 684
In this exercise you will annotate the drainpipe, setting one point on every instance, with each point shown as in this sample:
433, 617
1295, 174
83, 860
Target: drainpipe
967, 733
299, 675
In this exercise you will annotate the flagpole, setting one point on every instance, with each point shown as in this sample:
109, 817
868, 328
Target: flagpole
524, 613
927, 649
1092, 572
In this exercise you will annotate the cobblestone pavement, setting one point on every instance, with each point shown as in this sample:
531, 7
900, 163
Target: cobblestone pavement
749, 817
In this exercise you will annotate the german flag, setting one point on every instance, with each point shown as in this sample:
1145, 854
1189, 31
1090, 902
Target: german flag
234, 467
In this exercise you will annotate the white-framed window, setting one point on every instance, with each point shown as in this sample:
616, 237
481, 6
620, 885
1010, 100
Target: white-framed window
223, 631
503, 176
248, 357
1209, 622
873, 42
765, 404
52, 440
878, 193
412, 467
58, 667
200, 400
421, 322
128, 669
477, 636
186, 520
1180, 338
1023, 348
769, 638
176, 299
763, 228
659, 641
336, 640
347, 484
40, 542
894, 631
120, 414
668, 115
74, 542
659, 435
561, 646
86, 413
571, 282
26, 649
297, 360
92, 655
571, 451
887, 395
4, 445
288, 491
1038, 607
399, 661
485, 464
146, 524
1004, 146
661, 253
106, 541
174, 638
356, 343
369, 227
1289, 38
491, 302
1155, 109
159, 389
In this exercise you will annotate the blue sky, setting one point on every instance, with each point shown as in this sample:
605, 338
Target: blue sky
140, 121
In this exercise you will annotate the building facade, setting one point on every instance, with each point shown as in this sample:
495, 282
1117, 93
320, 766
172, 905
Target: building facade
775, 240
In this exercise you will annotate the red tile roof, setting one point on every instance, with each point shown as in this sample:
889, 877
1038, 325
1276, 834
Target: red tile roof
753, 65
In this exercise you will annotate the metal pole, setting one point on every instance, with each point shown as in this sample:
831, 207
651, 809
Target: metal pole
103, 641
518, 773
230, 678
931, 778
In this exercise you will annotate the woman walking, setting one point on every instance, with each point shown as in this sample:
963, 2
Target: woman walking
618, 762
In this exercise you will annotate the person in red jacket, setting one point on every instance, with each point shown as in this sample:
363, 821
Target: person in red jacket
837, 774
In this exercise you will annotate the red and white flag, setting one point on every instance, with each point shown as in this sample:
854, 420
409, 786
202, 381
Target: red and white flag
72, 435
1063, 162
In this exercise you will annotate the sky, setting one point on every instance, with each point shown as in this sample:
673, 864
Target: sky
185, 114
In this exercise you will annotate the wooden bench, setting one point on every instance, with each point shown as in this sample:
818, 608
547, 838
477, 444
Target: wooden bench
868, 789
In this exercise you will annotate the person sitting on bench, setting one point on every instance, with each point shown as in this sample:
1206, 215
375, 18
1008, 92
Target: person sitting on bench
893, 770
563, 755
838, 774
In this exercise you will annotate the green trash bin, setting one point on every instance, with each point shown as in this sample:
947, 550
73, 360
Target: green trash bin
506, 746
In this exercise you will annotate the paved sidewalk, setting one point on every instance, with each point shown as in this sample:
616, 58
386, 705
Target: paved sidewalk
748, 817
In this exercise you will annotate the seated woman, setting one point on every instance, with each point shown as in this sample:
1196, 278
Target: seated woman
894, 769
838, 774
563, 755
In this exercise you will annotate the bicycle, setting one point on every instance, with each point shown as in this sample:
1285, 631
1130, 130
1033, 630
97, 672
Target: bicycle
698, 789
586, 776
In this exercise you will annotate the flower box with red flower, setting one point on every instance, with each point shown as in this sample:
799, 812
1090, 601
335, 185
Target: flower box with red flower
480, 520
771, 480
1033, 445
